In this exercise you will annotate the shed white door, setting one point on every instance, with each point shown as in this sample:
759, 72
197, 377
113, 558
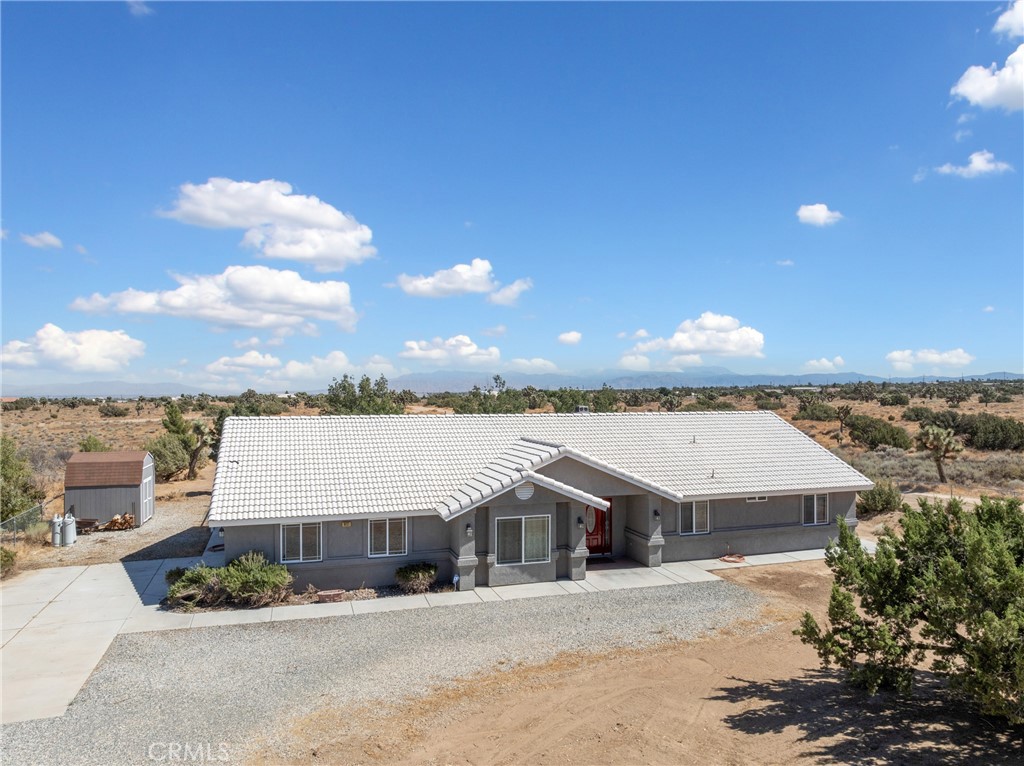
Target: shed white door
147, 499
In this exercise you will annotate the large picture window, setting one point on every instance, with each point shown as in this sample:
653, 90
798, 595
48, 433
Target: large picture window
524, 540
300, 542
694, 518
388, 537
815, 509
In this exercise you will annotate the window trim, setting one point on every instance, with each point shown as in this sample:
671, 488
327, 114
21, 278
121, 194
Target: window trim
522, 541
387, 537
815, 523
693, 518
320, 542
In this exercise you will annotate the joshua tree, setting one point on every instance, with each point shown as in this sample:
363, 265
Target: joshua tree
202, 441
843, 413
943, 445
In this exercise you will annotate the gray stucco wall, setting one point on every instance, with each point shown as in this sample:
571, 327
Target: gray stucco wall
346, 562
767, 527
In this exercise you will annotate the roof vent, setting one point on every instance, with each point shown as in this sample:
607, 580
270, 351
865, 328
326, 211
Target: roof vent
582, 408
525, 490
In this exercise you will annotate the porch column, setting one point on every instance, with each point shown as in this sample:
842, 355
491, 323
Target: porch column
577, 542
462, 548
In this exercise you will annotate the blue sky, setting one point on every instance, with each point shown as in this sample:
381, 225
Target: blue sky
270, 195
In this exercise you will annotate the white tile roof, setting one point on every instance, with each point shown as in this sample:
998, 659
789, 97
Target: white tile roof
275, 468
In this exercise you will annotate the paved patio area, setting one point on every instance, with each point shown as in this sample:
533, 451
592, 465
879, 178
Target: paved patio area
58, 623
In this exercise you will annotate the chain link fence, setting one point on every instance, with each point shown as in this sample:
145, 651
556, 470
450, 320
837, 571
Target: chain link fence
31, 520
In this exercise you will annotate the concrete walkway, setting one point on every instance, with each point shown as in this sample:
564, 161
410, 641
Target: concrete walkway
57, 623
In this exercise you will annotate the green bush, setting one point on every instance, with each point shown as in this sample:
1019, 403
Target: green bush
917, 414
172, 576
884, 497
248, 581
169, 455
875, 432
768, 404
991, 432
416, 578
893, 399
92, 443
7, 559
816, 411
111, 410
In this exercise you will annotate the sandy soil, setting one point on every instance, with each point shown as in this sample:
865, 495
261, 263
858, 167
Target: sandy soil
749, 695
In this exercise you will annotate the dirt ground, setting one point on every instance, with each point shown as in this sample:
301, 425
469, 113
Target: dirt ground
752, 694
176, 530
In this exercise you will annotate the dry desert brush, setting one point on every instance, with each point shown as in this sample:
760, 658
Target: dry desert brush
416, 578
946, 590
249, 581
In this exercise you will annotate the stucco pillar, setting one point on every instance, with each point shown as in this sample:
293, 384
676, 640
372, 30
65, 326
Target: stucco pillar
462, 549
577, 542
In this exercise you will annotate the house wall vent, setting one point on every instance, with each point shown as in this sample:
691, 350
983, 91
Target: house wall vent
525, 490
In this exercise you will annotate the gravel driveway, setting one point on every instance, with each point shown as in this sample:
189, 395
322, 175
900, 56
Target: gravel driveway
218, 689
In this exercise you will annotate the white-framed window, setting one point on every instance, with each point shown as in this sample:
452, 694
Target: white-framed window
695, 518
523, 540
758, 499
815, 509
300, 542
388, 537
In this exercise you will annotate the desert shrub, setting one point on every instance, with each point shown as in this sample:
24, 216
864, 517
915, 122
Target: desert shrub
248, 581
18, 490
416, 578
893, 399
816, 411
92, 443
917, 413
991, 432
875, 432
766, 403
950, 419
707, 405
172, 576
884, 497
8, 560
896, 465
169, 455
111, 410
944, 590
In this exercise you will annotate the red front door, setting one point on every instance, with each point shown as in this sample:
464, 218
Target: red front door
599, 529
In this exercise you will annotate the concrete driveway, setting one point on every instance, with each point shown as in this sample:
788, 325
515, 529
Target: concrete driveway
57, 624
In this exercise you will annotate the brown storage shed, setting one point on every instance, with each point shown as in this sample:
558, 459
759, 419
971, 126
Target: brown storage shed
101, 485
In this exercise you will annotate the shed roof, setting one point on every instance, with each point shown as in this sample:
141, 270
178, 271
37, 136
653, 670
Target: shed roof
105, 469
274, 468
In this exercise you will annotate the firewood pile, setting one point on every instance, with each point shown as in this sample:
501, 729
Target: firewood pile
127, 521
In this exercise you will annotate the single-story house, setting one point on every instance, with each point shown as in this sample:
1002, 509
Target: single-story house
503, 499
101, 485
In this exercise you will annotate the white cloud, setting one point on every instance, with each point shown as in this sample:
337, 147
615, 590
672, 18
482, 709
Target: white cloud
241, 296
139, 8
320, 369
685, 360
532, 365
247, 362
961, 134
1011, 21
457, 349
818, 214
989, 309
509, 294
824, 364
920, 175
83, 351
42, 240
570, 338
641, 333
905, 360
495, 332
253, 342
635, 362
4, 233
81, 249
710, 333
277, 223
993, 87
981, 163
475, 277
786, 262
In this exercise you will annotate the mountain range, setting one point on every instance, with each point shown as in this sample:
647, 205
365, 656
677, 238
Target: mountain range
450, 380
